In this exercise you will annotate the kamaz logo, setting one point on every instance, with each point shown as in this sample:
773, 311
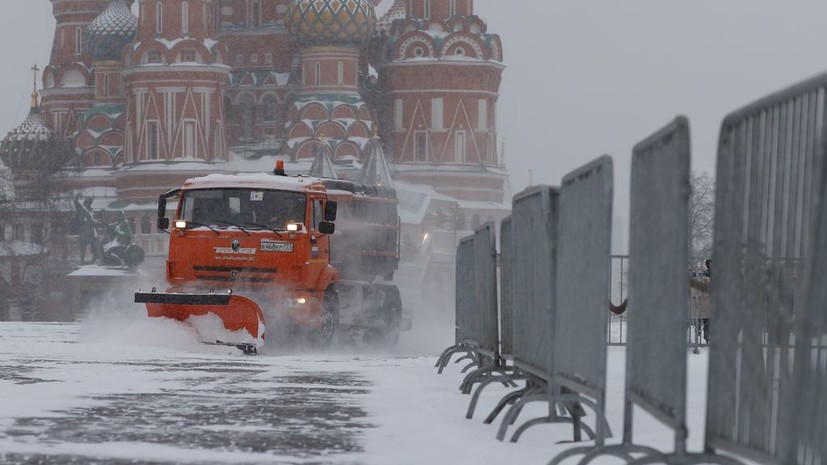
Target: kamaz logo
230, 250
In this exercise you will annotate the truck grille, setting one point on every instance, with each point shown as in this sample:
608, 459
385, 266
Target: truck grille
230, 274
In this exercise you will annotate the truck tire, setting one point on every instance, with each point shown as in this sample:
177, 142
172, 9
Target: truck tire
329, 317
390, 314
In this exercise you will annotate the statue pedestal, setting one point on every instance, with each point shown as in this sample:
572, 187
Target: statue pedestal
95, 287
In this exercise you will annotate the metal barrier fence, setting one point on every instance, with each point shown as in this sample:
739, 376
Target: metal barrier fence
770, 173
477, 319
767, 385
506, 295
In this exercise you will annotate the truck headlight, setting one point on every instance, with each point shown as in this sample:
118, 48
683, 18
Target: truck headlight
181, 224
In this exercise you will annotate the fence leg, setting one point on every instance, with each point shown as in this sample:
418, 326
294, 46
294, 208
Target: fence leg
506, 400
492, 379
514, 412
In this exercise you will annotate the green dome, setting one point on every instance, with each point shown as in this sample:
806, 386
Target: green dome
331, 22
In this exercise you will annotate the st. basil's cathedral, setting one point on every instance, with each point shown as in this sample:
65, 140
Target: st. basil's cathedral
140, 95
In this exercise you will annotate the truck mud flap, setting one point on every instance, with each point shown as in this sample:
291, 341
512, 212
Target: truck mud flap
236, 312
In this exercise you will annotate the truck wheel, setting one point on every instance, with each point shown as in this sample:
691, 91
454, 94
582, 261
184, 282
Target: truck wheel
330, 317
391, 310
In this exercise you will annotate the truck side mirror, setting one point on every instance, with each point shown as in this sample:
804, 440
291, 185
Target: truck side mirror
326, 227
163, 222
330, 209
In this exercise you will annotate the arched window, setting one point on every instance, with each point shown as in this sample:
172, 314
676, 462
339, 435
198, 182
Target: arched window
270, 108
159, 18
341, 77
185, 17
78, 40
318, 73
255, 14
248, 116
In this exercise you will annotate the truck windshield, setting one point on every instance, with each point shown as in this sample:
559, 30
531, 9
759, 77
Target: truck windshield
246, 208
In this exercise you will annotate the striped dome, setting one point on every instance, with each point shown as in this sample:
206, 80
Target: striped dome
331, 22
111, 31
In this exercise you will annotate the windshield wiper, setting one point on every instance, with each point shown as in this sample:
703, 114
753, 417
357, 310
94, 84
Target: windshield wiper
261, 226
195, 223
230, 223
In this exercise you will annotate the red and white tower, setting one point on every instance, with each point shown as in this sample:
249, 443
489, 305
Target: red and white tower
68, 80
439, 79
174, 82
331, 34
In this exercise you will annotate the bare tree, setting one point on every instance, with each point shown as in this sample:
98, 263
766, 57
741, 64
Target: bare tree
701, 215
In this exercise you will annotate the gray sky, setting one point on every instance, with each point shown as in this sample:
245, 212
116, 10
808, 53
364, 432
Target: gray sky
584, 77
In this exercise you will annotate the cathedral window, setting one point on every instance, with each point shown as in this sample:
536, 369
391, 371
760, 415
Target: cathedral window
78, 40
437, 105
453, 8
398, 113
255, 14
159, 18
254, 58
152, 141
341, 76
268, 58
248, 116
189, 139
482, 114
37, 233
188, 56
421, 146
460, 147
17, 232
239, 59
154, 56
270, 108
318, 70
427, 9
106, 85
185, 17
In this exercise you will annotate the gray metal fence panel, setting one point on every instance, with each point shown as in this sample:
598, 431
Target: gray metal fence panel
767, 177
466, 295
583, 279
808, 423
534, 221
506, 283
486, 321
658, 274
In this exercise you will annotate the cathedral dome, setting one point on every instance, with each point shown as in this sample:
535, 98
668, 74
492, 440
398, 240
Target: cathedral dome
331, 22
111, 31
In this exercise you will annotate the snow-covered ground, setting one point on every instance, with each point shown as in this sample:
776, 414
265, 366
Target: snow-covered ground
134, 390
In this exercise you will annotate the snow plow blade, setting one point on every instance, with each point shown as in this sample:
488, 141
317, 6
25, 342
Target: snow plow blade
237, 313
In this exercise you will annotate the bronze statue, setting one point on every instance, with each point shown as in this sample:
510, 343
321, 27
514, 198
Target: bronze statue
87, 231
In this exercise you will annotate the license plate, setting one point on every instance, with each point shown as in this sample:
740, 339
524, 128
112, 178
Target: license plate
277, 246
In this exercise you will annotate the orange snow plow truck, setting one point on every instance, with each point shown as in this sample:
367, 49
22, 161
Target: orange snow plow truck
255, 254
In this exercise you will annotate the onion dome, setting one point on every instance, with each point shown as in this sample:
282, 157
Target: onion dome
109, 33
331, 22
398, 10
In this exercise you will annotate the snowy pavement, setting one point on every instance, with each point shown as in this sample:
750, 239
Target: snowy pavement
145, 392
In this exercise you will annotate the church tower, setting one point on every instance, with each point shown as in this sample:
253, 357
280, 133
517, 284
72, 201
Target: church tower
329, 107
68, 80
439, 78
174, 80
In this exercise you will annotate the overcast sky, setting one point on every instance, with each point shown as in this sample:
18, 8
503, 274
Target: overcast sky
584, 77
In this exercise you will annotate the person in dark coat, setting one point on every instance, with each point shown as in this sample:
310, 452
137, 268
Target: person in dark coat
699, 293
